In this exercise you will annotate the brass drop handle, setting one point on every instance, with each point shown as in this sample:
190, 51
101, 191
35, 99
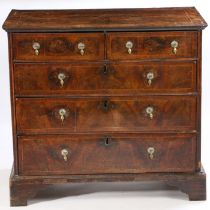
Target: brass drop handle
62, 113
150, 112
129, 46
174, 45
61, 78
151, 151
64, 153
150, 77
36, 46
81, 47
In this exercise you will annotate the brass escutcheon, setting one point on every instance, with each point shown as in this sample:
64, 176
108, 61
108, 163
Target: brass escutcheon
174, 45
81, 47
61, 77
129, 46
62, 113
150, 111
36, 46
64, 153
151, 151
150, 77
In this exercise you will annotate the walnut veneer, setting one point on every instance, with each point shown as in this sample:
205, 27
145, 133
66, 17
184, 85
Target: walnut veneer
105, 95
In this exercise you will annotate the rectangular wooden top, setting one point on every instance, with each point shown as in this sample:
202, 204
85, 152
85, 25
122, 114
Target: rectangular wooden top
179, 18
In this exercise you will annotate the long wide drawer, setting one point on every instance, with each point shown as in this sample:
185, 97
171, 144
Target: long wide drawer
58, 46
50, 155
118, 114
114, 78
152, 45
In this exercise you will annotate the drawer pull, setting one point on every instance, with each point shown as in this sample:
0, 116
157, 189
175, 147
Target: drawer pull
81, 47
64, 153
36, 46
129, 46
62, 113
150, 77
174, 45
151, 151
150, 112
61, 77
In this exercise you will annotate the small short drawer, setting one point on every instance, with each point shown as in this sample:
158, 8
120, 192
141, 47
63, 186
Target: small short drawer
58, 46
110, 114
152, 45
112, 78
99, 154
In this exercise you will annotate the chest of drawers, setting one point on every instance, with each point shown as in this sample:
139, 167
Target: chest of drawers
105, 95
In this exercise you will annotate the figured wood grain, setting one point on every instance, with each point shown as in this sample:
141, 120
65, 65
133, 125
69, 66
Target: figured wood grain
58, 46
93, 155
147, 45
199, 104
119, 114
180, 18
106, 104
100, 78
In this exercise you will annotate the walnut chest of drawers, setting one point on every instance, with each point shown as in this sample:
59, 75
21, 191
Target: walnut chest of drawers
105, 95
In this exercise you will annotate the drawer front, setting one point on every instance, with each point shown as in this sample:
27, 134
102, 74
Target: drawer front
50, 155
120, 114
114, 78
58, 46
149, 45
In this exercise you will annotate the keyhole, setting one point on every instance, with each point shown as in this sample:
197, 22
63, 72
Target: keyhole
105, 69
107, 141
106, 105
